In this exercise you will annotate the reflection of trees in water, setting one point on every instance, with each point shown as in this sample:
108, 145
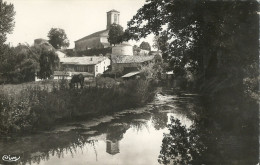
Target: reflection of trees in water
37, 157
180, 145
159, 120
35, 149
224, 132
138, 126
115, 133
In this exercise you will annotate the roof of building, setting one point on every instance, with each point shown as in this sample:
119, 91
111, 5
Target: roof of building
113, 10
130, 74
87, 60
102, 33
123, 44
40, 41
60, 54
119, 59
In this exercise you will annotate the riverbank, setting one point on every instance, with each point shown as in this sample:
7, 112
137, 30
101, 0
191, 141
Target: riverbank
134, 126
36, 108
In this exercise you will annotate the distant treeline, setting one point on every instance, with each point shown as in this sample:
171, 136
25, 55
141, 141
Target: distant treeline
21, 63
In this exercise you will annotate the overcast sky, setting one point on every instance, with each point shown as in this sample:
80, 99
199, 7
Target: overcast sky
79, 18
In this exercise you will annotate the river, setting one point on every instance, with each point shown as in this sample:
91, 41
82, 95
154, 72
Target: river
138, 136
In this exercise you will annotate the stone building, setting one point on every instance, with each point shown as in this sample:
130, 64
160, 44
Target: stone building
127, 64
91, 65
124, 49
98, 39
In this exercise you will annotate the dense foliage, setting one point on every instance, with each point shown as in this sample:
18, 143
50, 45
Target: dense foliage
49, 61
145, 45
7, 14
224, 131
18, 64
211, 39
22, 63
115, 34
38, 107
58, 38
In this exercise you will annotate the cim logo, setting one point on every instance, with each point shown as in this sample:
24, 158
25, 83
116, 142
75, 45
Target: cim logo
10, 158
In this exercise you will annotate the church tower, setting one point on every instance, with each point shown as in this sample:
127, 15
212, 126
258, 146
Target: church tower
112, 17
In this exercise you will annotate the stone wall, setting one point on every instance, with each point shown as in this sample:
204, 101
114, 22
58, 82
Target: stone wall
122, 50
120, 67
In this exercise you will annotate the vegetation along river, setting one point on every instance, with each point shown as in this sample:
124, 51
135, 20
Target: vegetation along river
169, 130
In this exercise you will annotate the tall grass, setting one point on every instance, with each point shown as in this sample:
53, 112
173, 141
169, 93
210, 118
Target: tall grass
38, 108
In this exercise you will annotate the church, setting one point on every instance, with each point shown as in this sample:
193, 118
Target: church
98, 40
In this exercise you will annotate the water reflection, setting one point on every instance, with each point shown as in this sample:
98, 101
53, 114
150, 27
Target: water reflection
178, 128
159, 120
114, 135
225, 131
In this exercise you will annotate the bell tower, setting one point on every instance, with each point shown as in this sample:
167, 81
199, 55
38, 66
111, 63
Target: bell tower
112, 17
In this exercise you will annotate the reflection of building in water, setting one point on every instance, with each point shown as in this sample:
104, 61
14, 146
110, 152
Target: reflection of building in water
112, 147
114, 135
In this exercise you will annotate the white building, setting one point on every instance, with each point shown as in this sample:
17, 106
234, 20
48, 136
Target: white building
89, 66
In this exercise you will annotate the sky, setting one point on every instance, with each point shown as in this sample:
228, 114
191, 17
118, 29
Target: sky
79, 18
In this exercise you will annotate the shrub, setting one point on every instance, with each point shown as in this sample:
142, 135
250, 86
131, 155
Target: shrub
36, 107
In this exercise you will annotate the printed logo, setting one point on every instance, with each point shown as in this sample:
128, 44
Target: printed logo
10, 158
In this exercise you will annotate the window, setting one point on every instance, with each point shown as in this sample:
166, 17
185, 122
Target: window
96, 68
115, 18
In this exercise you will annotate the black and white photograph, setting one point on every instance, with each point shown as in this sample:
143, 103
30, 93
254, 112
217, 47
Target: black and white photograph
129, 82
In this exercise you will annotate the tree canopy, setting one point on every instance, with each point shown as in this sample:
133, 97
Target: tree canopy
58, 38
208, 37
49, 61
161, 43
18, 64
115, 34
7, 14
145, 46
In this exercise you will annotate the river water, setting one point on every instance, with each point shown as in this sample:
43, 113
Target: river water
136, 136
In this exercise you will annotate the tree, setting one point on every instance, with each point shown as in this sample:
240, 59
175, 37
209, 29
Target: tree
136, 50
145, 46
27, 63
209, 38
7, 63
58, 38
7, 14
161, 43
49, 61
115, 34
18, 64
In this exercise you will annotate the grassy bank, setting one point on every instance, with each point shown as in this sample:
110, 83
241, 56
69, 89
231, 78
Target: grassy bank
35, 107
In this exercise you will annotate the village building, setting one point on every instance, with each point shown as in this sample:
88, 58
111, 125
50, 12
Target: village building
123, 49
122, 59
126, 64
98, 39
89, 66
